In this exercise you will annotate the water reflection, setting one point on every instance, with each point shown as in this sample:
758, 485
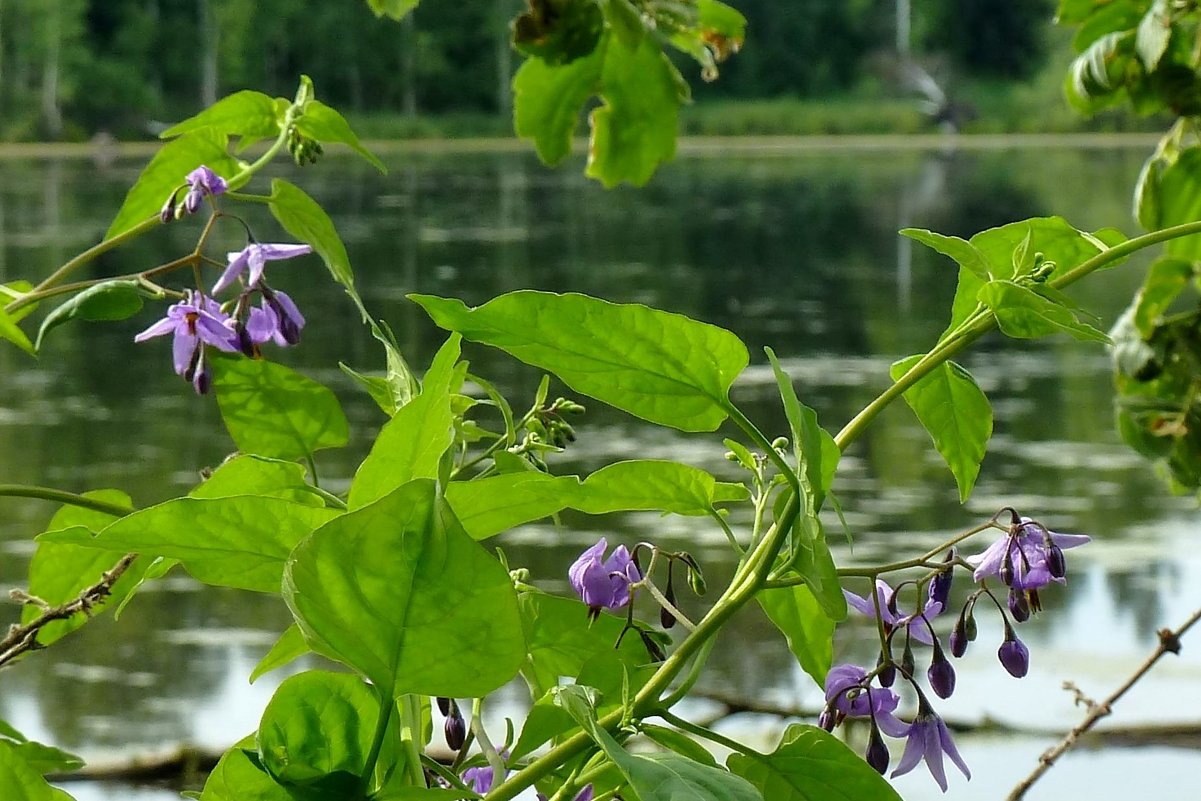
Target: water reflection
798, 252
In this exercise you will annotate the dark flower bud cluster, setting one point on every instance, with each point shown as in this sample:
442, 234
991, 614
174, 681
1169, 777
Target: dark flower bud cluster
1027, 558
304, 149
454, 728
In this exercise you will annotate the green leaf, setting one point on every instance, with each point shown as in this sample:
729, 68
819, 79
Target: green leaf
20, 780
547, 101
811, 765
317, 724
166, 172
251, 115
238, 777
1024, 314
303, 218
248, 474
679, 742
289, 647
1111, 16
954, 410
272, 410
717, 17
963, 252
11, 331
324, 124
646, 485
111, 300
396, 9
559, 31
45, 758
634, 129
488, 506
239, 542
805, 625
662, 367
561, 640
1154, 32
15, 290
398, 591
411, 444
1166, 278
1180, 202
817, 453
58, 573
1054, 237
658, 777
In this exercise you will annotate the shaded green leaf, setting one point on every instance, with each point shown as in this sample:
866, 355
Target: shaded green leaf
1180, 202
662, 367
20, 780
324, 124
411, 444
1025, 314
395, 588
954, 410
559, 31
239, 542
272, 410
808, 630
812, 765
166, 172
111, 300
289, 647
239, 777
1165, 280
964, 253
677, 741
251, 115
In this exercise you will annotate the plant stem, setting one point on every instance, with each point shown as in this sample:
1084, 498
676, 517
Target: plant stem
481, 734
61, 496
701, 731
377, 738
976, 327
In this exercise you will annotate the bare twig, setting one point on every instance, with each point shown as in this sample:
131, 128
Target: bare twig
1169, 642
25, 638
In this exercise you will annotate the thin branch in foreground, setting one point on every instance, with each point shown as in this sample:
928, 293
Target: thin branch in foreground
1169, 642
25, 638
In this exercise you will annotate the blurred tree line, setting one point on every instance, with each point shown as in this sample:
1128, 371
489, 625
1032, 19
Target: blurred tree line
70, 68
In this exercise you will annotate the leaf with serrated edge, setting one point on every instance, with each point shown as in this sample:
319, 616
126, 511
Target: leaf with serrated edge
662, 367
956, 413
398, 591
547, 101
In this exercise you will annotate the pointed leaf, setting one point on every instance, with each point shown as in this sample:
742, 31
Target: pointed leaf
488, 506
398, 591
166, 172
324, 124
963, 252
811, 765
257, 475
251, 115
303, 218
289, 647
11, 331
272, 410
951, 406
646, 485
805, 625
396, 9
111, 300
662, 367
1025, 314
21, 782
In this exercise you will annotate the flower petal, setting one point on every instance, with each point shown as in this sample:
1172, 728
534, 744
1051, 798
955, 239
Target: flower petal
182, 349
237, 263
279, 252
915, 748
934, 753
948, 745
161, 328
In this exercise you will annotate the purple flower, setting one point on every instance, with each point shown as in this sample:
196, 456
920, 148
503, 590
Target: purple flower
481, 778
604, 585
255, 256
277, 319
196, 321
929, 740
918, 625
1028, 558
847, 694
201, 182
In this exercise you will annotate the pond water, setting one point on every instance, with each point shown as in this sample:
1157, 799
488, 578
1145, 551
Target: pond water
797, 250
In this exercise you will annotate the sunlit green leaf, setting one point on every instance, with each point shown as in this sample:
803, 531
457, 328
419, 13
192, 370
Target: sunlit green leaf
324, 124
1054, 237
317, 724
398, 591
963, 252
248, 114
303, 218
1024, 314
289, 647
396, 9
111, 300
46, 758
805, 625
411, 444
662, 367
811, 765
20, 780
248, 474
12, 332
239, 778
166, 172
954, 410
58, 572
488, 506
272, 410
1180, 202
658, 777
237, 542
547, 101
647, 485
816, 452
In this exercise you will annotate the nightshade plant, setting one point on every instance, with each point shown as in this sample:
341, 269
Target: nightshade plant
393, 580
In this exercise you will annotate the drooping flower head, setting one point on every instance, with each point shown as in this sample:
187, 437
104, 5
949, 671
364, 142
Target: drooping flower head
848, 694
255, 257
604, 583
917, 625
202, 182
195, 322
928, 740
277, 319
1028, 557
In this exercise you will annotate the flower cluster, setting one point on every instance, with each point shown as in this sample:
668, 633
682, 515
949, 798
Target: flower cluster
199, 321
1027, 558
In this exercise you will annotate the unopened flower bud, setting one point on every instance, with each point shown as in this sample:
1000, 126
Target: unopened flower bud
941, 674
652, 648
193, 199
696, 580
908, 664
1019, 607
826, 719
1006, 572
940, 585
779, 443
958, 639
1014, 655
443, 705
666, 618
168, 212
877, 751
969, 625
888, 671
455, 729
1056, 565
